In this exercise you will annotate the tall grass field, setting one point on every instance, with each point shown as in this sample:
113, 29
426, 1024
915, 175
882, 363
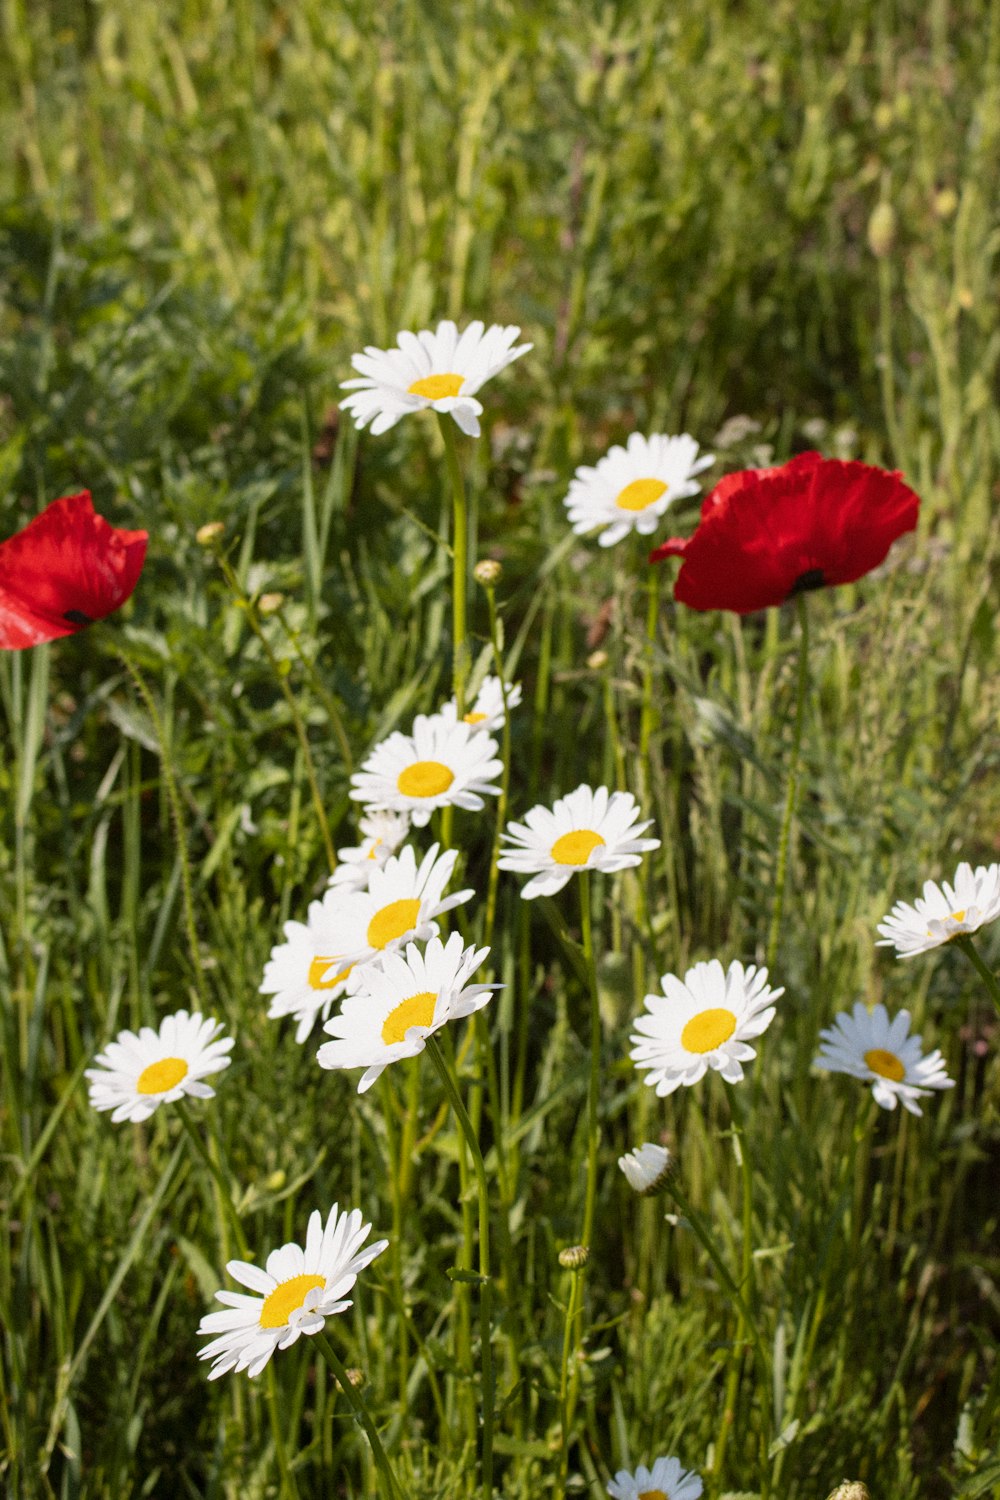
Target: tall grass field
770, 225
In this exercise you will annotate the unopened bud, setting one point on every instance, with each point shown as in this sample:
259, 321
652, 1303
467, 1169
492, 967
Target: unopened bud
597, 661
269, 604
276, 1181
851, 1489
574, 1257
488, 573
882, 229
209, 533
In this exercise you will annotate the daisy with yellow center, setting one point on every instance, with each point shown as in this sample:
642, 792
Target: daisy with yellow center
703, 1021
382, 833
487, 712
297, 1291
395, 1005
442, 370
139, 1073
588, 829
867, 1045
666, 1480
443, 763
303, 975
400, 906
943, 912
631, 488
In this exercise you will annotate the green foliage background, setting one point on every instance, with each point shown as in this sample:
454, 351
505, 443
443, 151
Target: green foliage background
207, 205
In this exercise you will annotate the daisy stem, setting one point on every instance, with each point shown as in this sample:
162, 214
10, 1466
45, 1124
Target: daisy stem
746, 1275
986, 974
485, 1284
648, 717
460, 559
791, 793
593, 1129
565, 1395
494, 875
362, 1415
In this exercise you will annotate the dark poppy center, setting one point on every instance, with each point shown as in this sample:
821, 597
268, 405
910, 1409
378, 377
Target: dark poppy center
812, 578
76, 617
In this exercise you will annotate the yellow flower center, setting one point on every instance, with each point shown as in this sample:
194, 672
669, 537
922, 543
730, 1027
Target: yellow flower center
425, 778
318, 968
417, 1011
576, 848
286, 1298
162, 1076
640, 494
436, 387
474, 718
653, 1495
885, 1064
392, 921
708, 1030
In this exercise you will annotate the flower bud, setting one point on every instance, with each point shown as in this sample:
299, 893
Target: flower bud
574, 1257
208, 534
882, 229
488, 572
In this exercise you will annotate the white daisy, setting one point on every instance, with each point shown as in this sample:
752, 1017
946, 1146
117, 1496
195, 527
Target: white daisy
441, 370
393, 1006
139, 1073
868, 1045
943, 912
631, 487
587, 830
702, 1022
383, 833
486, 713
303, 973
399, 906
666, 1480
442, 763
297, 1292
648, 1168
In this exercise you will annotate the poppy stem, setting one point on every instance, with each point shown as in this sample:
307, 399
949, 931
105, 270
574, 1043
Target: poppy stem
791, 793
453, 1092
460, 559
986, 974
393, 1488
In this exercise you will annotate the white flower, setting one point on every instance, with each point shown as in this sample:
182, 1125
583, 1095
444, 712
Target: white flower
399, 906
383, 833
303, 974
298, 1291
943, 912
442, 763
588, 829
666, 1480
393, 1006
702, 1022
868, 1045
631, 487
486, 713
648, 1167
440, 370
139, 1073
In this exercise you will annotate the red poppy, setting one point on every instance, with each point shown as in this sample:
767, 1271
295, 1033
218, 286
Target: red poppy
67, 568
766, 534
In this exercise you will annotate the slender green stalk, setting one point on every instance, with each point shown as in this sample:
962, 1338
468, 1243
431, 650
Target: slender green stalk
746, 1275
594, 1084
573, 1308
460, 561
393, 1488
322, 692
485, 1283
647, 719
501, 817
791, 793
986, 974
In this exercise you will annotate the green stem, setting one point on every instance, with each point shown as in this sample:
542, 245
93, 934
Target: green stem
485, 1285
593, 1129
322, 692
969, 948
460, 560
793, 784
746, 1274
493, 879
393, 1488
648, 717
565, 1407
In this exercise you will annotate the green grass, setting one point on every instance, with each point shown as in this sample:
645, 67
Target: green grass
206, 208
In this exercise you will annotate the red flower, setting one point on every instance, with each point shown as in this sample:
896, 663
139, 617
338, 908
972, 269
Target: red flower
766, 534
67, 568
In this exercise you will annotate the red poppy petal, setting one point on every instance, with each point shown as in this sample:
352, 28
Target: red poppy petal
65, 569
858, 512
